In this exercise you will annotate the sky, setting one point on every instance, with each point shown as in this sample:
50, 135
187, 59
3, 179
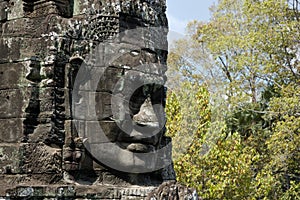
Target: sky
180, 12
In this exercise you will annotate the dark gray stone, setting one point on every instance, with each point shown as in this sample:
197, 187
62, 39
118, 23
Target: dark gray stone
10, 158
11, 130
78, 87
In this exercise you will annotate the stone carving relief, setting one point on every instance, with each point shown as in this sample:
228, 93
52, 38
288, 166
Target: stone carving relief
34, 8
173, 191
49, 75
48, 134
141, 101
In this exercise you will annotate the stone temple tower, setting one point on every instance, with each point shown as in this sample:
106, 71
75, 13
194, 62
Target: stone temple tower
81, 100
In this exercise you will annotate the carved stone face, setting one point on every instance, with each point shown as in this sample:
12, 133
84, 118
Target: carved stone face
54, 114
121, 106
138, 101
118, 95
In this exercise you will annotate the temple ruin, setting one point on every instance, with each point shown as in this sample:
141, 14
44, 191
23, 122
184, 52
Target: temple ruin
81, 100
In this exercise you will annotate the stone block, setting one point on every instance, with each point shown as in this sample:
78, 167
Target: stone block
15, 10
22, 48
38, 158
11, 103
111, 179
100, 79
38, 8
12, 75
132, 56
9, 158
71, 129
68, 104
40, 132
34, 27
39, 101
120, 54
134, 32
46, 107
10, 49
93, 131
94, 192
78, 7
92, 105
11, 130
103, 105
101, 131
19, 103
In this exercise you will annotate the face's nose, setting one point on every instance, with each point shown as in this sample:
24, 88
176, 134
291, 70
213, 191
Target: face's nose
146, 115
146, 123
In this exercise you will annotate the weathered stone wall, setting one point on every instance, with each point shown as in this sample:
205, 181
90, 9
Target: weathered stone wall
46, 149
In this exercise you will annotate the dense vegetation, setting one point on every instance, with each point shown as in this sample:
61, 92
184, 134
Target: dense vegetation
234, 111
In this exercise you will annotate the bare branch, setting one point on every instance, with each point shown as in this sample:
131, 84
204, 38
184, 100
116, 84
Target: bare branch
225, 69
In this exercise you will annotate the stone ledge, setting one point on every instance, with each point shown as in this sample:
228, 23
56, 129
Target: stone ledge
78, 192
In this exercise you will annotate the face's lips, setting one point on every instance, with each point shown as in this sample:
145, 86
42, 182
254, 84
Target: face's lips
137, 147
139, 140
148, 134
140, 136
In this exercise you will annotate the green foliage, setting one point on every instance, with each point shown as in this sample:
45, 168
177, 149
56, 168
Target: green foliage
188, 116
241, 139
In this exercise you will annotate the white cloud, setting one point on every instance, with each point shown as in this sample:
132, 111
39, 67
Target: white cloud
176, 29
177, 25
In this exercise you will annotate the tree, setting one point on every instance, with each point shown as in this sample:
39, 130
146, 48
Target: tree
247, 56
